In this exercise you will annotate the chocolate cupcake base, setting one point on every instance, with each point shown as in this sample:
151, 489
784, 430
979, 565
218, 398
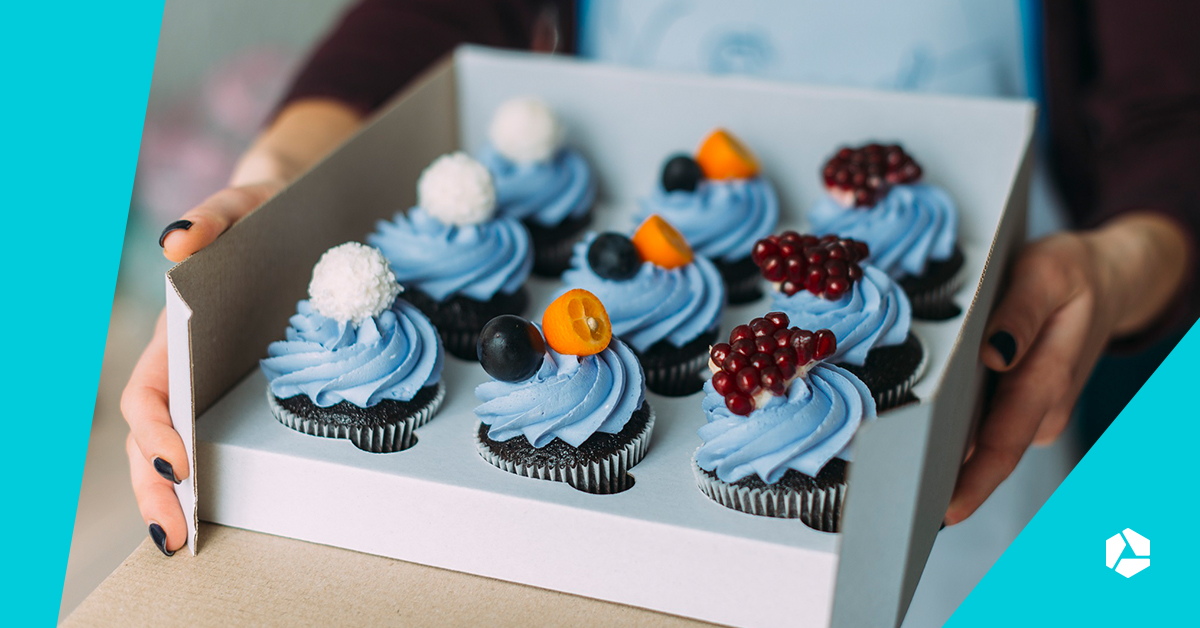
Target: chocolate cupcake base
386, 427
932, 294
743, 283
600, 465
459, 319
553, 246
816, 502
890, 372
677, 371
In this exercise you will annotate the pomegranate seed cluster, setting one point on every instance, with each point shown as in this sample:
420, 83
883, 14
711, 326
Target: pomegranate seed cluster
762, 358
826, 267
864, 174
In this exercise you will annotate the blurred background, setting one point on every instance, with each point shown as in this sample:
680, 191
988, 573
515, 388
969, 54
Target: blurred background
220, 66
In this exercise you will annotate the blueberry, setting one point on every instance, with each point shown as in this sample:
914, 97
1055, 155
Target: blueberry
613, 256
510, 348
681, 172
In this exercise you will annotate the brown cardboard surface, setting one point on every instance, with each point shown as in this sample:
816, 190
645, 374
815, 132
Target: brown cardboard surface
250, 579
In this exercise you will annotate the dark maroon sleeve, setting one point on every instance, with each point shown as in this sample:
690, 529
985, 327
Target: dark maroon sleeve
1123, 91
380, 45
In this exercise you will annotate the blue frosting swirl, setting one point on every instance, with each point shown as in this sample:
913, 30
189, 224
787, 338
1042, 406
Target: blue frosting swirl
476, 261
802, 430
720, 219
676, 305
570, 397
910, 226
874, 313
389, 356
546, 192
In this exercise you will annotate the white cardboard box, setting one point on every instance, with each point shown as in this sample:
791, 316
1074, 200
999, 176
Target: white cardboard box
662, 544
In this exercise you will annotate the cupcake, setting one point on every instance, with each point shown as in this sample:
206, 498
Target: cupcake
568, 407
776, 425
722, 205
664, 302
547, 186
823, 284
874, 195
460, 264
357, 362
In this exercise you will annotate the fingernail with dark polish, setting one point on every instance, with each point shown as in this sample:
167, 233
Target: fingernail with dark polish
178, 225
1005, 344
159, 536
165, 469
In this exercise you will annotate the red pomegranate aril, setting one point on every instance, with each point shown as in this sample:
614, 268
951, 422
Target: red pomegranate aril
762, 327
772, 268
764, 344
739, 404
826, 344
719, 352
771, 379
835, 287
816, 257
782, 338
854, 272
816, 281
723, 383
787, 249
741, 332
760, 361
835, 268
790, 287
747, 380
803, 343
763, 249
864, 250
779, 319
785, 361
789, 236
744, 347
796, 268
836, 251
735, 363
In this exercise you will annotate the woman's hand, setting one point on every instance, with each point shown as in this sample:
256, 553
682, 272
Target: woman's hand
1069, 295
303, 133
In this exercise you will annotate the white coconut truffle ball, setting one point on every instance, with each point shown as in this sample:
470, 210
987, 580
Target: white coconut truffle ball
352, 282
526, 130
457, 190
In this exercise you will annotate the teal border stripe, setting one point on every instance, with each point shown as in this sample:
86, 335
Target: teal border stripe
1141, 475
76, 78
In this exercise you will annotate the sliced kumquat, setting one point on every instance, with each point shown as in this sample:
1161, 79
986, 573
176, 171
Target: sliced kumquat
660, 243
723, 156
577, 324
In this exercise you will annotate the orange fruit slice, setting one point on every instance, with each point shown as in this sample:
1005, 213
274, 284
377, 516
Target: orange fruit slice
577, 324
723, 156
658, 242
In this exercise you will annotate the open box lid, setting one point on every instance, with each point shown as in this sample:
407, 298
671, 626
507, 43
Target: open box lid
226, 303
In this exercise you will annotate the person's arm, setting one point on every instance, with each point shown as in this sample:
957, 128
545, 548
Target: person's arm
1123, 82
377, 48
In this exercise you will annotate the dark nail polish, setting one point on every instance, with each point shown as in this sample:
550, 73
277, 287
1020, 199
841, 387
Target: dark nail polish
175, 226
1005, 344
159, 536
943, 526
165, 469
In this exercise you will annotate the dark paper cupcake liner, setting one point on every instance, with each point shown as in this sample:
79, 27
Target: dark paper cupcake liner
378, 437
589, 468
677, 371
553, 246
932, 294
743, 283
816, 502
459, 319
890, 372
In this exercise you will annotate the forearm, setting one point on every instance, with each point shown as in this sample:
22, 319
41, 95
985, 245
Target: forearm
301, 135
1143, 260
